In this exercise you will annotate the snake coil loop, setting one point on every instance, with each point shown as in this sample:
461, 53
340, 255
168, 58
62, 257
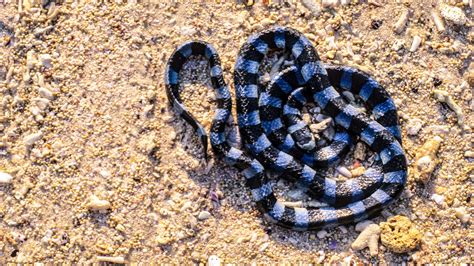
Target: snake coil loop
275, 136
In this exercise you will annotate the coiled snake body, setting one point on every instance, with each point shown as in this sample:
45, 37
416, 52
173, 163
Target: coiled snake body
275, 137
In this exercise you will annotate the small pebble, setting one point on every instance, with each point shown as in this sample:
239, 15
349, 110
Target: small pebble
313, 6
45, 93
462, 214
45, 60
119, 260
344, 171
469, 154
401, 22
322, 234
32, 138
97, 204
213, 260
368, 238
358, 171
264, 246
426, 159
414, 126
5, 178
439, 199
415, 44
453, 14
204, 215
438, 21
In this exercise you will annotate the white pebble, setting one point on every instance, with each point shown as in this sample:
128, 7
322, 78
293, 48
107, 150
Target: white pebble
439, 199
322, 234
344, 171
119, 260
97, 204
401, 22
415, 44
438, 21
414, 126
45, 93
264, 246
45, 60
322, 256
213, 260
453, 14
42, 103
462, 214
204, 215
32, 138
360, 226
313, 6
5, 178
188, 30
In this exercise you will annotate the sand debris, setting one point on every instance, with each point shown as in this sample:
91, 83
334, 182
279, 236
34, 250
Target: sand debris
453, 14
444, 97
426, 159
369, 237
97, 204
5, 178
399, 234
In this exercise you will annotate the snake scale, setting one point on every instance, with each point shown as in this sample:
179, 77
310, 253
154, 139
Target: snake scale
274, 135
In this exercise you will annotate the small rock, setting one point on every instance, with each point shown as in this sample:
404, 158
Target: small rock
204, 215
5, 178
213, 260
188, 30
264, 246
415, 44
453, 14
117, 260
322, 234
399, 234
439, 199
97, 204
45, 93
462, 214
344, 171
368, 238
322, 256
469, 154
45, 60
426, 159
313, 6
32, 138
360, 226
321, 126
359, 152
42, 103
358, 171
414, 126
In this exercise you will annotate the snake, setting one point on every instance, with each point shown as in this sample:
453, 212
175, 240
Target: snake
275, 137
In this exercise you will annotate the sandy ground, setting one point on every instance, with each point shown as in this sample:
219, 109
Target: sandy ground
84, 113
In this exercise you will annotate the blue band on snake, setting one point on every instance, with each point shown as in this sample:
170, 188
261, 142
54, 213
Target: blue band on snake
275, 137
